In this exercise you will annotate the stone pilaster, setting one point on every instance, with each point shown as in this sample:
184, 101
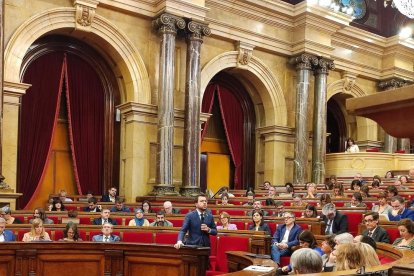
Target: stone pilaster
167, 26
303, 63
319, 119
390, 142
192, 128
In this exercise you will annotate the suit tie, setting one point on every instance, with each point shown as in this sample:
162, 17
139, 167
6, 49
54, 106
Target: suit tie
202, 218
328, 230
105, 221
106, 239
370, 232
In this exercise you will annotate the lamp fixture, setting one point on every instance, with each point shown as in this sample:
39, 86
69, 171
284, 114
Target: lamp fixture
405, 7
354, 8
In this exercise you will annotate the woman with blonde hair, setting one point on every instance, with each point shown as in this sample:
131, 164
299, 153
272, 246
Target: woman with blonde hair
37, 232
348, 256
369, 254
225, 222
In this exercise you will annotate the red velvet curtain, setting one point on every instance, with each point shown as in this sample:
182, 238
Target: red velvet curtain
86, 103
233, 120
207, 105
39, 111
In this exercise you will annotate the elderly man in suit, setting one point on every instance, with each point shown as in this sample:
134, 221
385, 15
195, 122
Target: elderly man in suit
104, 218
336, 223
377, 233
106, 235
199, 224
5, 235
285, 237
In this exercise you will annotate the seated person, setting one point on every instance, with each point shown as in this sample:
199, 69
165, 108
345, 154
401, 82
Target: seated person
365, 191
168, 208
63, 197
225, 222
106, 235
279, 209
57, 205
285, 237
306, 240
225, 200
338, 191
324, 199
383, 208
37, 232
356, 185
305, 261
5, 213
391, 191
104, 218
160, 220
225, 190
399, 211
88, 195
5, 235
250, 199
311, 190
297, 201
328, 245
257, 205
41, 214
92, 206
343, 238
310, 211
72, 217
356, 201
373, 230
111, 196
406, 241
258, 222
335, 222
146, 207
120, 206
271, 192
71, 233
139, 219
266, 185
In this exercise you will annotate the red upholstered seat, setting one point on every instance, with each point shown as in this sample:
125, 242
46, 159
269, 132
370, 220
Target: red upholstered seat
272, 226
21, 218
241, 225
82, 235
354, 219
58, 235
339, 203
233, 212
54, 218
298, 214
166, 238
218, 263
372, 150
118, 221
305, 226
155, 209
85, 220
141, 237
385, 259
284, 261
176, 222
127, 219
20, 234
71, 207
213, 245
393, 233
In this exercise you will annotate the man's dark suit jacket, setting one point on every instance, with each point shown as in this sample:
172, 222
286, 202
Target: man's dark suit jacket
340, 223
105, 198
192, 224
9, 236
98, 221
87, 209
379, 235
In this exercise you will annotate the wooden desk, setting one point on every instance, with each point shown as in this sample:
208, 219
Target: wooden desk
237, 261
109, 259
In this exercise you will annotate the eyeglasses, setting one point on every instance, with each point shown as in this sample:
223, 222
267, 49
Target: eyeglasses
288, 217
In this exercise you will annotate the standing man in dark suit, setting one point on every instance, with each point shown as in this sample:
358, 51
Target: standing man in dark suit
111, 196
377, 233
5, 235
104, 218
335, 222
199, 224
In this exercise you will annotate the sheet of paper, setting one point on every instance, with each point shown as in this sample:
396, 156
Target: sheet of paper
259, 268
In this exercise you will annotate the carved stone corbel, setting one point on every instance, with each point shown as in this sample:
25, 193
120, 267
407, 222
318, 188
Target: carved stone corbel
349, 81
85, 12
245, 52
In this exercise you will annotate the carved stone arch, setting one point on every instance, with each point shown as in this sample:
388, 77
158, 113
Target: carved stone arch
267, 87
354, 124
119, 52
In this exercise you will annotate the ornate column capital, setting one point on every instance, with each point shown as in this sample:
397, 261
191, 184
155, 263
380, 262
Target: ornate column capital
196, 30
324, 65
304, 61
85, 12
168, 24
392, 83
245, 52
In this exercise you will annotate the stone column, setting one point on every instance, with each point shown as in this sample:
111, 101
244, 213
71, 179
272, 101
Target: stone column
390, 142
303, 65
319, 120
167, 26
2, 183
192, 128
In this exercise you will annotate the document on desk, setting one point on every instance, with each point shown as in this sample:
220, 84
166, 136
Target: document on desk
259, 268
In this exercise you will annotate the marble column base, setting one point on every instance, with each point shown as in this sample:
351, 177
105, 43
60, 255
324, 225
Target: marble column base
189, 191
164, 190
